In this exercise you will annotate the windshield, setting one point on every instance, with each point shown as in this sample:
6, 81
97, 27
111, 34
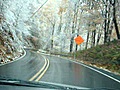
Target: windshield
63, 42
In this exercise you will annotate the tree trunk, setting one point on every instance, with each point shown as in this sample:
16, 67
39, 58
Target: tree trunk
108, 24
98, 37
94, 35
105, 25
87, 40
60, 24
76, 45
73, 26
52, 36
110, 31
71, 44
114, 19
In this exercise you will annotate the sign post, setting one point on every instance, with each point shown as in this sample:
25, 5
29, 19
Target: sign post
79, 40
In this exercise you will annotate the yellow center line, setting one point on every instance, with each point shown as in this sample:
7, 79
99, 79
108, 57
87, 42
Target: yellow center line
43, 71
31, 79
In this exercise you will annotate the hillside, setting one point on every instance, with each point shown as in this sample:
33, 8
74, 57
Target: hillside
105, 56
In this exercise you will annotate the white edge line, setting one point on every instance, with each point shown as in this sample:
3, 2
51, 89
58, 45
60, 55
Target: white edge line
90, 68
95, 70
15, 59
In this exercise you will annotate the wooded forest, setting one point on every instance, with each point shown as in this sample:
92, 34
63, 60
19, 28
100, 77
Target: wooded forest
52, 25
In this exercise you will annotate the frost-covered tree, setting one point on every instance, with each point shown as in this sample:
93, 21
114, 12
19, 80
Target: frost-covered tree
13, 28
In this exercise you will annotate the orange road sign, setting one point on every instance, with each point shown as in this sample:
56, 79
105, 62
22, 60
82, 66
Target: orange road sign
79, 40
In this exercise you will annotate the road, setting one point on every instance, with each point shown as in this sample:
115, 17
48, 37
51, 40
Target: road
67, 72
23, 69
60, 70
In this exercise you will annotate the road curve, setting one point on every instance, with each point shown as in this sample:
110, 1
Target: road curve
60, 71
24, 68
67, 72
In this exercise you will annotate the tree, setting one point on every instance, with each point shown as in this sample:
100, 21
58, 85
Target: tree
74, 25
114, 4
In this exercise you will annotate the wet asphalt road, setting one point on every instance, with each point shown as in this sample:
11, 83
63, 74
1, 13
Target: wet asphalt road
23, 69
70, 73
60, 71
